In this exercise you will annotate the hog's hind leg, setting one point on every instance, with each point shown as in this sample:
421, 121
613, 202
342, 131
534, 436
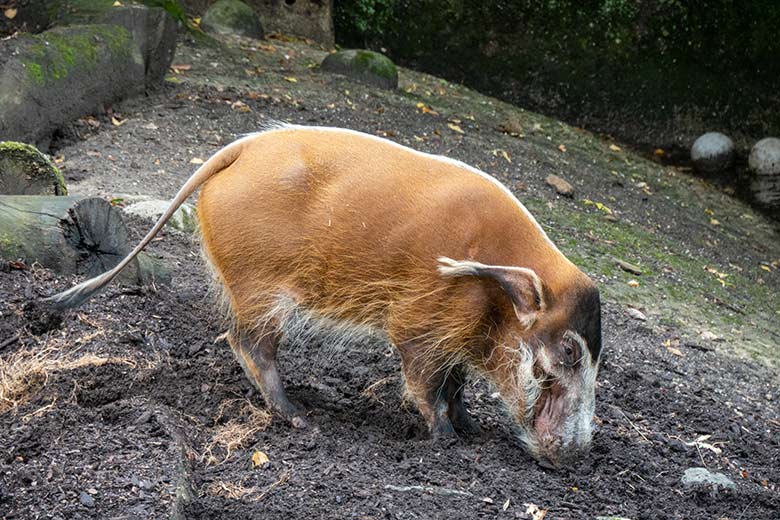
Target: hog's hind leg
257, 355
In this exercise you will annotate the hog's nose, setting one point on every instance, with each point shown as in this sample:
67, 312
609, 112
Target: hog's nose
549, 451
551, 445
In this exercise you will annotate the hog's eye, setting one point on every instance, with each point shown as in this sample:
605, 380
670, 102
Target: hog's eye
571, 351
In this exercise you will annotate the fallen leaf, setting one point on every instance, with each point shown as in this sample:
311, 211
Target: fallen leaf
604, 208
10, 13
240, 106
506, 505
196, 160
633, 283
562, 147
502, 153
259, 458
659, 152
535, 511
196, 21
675, 351
178, 68
487, 500
291, 79
614, 148
766, 268
455, 128
117, 201
714, 222
17, 264
117, 4
117, 122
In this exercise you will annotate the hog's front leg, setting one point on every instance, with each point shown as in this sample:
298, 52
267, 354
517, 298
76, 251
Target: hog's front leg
426, 384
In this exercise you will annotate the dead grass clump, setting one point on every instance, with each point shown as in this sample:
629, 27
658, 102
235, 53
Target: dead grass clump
24, 372
236, 433
231, 490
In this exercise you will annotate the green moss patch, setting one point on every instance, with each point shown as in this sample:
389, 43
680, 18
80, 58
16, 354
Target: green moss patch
54, 55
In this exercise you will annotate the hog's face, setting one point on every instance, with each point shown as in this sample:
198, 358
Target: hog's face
558, 369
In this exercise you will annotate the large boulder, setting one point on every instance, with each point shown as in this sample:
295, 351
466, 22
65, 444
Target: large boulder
154, 32
26, 171
712, 153
59, 75
764, 162
232, 17
364, 66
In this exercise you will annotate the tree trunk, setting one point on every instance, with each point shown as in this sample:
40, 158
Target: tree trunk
71, 235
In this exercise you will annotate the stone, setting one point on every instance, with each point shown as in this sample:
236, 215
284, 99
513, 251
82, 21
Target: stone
712, 153
561, 186
636, 314
86, 499
26, 171
311, 19
154, 32
59, 75
184, 219
702, 477
364, 66
628, 267
232, 17
764, 162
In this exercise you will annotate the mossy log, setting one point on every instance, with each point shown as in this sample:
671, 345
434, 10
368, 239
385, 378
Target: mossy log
71, 235
26, 171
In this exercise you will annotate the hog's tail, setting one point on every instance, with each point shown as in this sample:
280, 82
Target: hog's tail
80, 293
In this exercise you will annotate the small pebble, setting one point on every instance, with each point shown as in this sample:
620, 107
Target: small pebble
86, 499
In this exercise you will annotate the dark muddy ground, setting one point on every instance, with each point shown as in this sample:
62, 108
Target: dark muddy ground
135, 408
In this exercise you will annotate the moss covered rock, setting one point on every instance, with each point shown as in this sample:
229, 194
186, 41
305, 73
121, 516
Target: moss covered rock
232, 17
26, 171
59, 75
365, 66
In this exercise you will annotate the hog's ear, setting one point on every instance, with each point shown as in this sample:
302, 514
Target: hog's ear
522, 285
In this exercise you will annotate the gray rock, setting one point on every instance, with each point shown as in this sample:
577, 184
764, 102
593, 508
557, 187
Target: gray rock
184, 219
364, 66
232, 17
26, 171
764, 162
154, 32
628, 267
636, 314
562, 187
698, 477
307, 18
712, 153
86, 499
59, 75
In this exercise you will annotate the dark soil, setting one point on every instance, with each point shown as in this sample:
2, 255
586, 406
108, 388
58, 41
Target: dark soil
130, 433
